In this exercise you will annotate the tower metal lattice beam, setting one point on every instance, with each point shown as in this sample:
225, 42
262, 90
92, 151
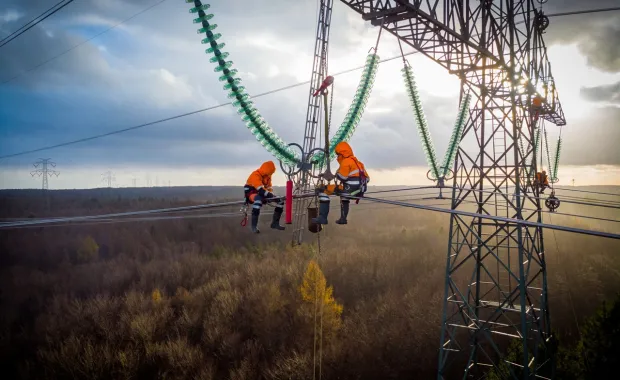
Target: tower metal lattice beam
303, 181
495, 284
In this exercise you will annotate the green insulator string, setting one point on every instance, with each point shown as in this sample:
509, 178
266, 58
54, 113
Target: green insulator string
556, 161
537, 140
240, 99
455, 139
420, 118
356, 109
547, 150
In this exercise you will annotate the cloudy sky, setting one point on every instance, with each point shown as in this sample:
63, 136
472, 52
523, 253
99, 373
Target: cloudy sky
153, 66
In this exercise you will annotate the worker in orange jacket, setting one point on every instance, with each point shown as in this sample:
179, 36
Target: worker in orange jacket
542, 181
258, 190
353, 179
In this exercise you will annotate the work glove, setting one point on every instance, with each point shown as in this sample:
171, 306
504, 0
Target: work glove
320, 189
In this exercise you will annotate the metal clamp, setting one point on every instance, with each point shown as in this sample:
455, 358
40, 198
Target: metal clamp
300, 165
552, 202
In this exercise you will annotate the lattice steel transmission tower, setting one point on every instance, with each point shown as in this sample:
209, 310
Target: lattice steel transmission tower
496, 285
303, 180
43, 170
108, 177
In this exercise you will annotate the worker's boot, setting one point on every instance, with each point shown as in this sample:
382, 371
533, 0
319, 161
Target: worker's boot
323, 212
255, 214
344, 211
275, 222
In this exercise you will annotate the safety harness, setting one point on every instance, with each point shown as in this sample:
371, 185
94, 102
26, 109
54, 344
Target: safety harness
362, 185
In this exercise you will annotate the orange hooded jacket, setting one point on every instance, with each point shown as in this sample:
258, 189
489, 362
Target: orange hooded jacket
542, 178
261, 178
350, 166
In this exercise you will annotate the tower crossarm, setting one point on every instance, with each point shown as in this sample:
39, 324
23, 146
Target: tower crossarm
467, 36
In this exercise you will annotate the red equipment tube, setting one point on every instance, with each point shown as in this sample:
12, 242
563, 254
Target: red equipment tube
289, 202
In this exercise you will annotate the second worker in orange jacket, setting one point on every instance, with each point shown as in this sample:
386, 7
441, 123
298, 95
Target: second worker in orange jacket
258, 190
353, 179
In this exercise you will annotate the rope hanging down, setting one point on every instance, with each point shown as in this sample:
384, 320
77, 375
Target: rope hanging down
251, 115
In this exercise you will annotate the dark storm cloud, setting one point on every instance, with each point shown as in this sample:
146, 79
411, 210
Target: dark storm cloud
608, 94
597, 34
592, 141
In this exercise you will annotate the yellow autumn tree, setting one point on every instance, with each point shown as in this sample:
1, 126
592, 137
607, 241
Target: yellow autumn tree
156, 295
318, 296
87, 250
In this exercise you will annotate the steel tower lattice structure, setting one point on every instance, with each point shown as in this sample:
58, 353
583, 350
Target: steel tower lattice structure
43, 170
496, 285
303, 180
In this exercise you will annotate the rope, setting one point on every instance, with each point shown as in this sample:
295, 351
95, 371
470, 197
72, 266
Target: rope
495, 218
148, 219
318, 241
609, 205
132, 213
587, 191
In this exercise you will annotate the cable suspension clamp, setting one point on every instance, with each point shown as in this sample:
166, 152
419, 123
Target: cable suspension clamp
552, 202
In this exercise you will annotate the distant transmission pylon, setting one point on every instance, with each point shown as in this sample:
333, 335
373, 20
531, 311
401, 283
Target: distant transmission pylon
108, 177
43, 170
133, 181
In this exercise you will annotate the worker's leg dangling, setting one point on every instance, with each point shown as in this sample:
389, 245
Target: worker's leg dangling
277, 214
323, 209
344, 211
256, 206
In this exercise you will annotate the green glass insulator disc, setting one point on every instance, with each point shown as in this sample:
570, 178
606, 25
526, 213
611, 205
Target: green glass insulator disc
226, 65
208, 40
212, 49
232, 73
203, 7
203, 18
243, 98
237, 103
217, 58
233, 94
236, 82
